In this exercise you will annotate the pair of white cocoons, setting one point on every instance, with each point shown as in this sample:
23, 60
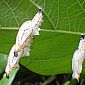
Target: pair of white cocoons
24, 40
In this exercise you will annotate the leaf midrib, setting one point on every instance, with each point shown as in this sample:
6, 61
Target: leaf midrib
46, 30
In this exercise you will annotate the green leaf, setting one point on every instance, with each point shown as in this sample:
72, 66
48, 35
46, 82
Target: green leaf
5, 81
67, 83
3, 61
52, 51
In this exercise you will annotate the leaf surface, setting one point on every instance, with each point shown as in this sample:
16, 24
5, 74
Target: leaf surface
5, 81
52, 51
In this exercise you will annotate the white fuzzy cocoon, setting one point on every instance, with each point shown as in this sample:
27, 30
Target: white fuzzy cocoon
23, 42
77, 60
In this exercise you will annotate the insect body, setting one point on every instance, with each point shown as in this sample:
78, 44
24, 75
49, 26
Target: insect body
78, 58
23, 42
